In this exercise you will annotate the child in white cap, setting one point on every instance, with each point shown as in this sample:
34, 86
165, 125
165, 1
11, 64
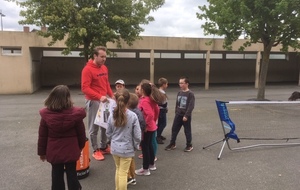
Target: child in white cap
119, 84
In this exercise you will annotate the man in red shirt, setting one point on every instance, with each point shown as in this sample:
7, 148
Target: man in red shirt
96, 87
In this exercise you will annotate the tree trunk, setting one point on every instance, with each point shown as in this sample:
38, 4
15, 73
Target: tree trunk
85, 52
263, 73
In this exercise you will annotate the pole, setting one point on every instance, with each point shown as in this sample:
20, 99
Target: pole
1, 15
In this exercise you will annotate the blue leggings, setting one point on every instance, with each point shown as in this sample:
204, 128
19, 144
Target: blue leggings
154, 142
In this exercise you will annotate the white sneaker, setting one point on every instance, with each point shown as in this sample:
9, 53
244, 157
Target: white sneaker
131, 181
142, 171
152, 167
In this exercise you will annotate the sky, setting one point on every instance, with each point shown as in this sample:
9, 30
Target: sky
176, 18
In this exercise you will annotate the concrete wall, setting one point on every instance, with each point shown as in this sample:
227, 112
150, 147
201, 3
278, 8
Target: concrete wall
21, 73
68, 70
29, 71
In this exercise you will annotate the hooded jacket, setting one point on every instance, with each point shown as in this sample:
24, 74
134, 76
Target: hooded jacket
125, 139
150, 112
61, 135
94, 81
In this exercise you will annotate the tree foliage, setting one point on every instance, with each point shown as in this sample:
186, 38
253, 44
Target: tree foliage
89, 22
271, 22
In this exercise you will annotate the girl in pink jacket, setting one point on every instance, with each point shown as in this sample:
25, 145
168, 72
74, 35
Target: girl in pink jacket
148, 104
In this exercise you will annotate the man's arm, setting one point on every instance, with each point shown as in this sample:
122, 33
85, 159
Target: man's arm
109, 90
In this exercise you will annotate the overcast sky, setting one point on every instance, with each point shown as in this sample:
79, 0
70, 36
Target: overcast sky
176, 18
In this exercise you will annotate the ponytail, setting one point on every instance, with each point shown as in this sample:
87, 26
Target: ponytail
119, 113
152, 91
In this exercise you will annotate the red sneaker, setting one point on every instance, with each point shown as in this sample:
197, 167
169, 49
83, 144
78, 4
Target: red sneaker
98, 155
105, 151
140, 156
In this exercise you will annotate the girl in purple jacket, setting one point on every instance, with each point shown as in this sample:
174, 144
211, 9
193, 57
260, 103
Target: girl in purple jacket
61, 137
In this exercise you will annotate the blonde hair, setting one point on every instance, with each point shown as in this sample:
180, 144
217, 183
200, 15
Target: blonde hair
119, 113
96, 50
59, 99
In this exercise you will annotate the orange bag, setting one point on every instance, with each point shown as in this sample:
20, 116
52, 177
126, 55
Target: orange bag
83, 164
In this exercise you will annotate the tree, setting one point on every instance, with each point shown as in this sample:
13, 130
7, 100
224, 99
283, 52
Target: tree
270, 22
88, 22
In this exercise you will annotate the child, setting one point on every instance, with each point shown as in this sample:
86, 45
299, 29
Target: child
132, 105
183, 115
124, 133
163, 109
137, 90
154, 141
148, 105
119, 84
61, 137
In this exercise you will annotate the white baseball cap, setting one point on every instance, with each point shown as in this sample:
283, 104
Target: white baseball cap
120, 81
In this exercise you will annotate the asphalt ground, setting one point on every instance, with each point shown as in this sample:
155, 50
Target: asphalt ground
262, 168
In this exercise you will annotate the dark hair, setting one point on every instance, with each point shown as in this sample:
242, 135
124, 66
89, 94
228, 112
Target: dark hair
133, 101
119, 114
186, 79
59, 99
295, 95
152, 91
96, 50
162, 81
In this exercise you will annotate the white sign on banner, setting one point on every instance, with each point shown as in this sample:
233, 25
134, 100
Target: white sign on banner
104, 111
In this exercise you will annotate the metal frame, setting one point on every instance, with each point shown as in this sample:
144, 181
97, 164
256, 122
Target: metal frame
228, 136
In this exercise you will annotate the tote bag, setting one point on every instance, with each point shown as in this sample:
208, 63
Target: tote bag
104, 111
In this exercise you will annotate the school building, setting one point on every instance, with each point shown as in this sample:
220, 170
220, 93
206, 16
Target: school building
27, 63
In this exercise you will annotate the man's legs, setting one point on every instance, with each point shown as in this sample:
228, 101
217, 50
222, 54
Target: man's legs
103, 140
92, 107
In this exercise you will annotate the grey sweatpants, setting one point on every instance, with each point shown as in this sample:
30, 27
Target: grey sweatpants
92, 108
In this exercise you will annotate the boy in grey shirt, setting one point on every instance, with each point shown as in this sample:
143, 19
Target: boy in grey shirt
185, 104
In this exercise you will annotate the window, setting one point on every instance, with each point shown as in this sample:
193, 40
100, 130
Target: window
277, 56
123, 55
171, 55
193, 56
215, 56
241, 56
11, 51
234, 56
147, 55
59, 54
250, 56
